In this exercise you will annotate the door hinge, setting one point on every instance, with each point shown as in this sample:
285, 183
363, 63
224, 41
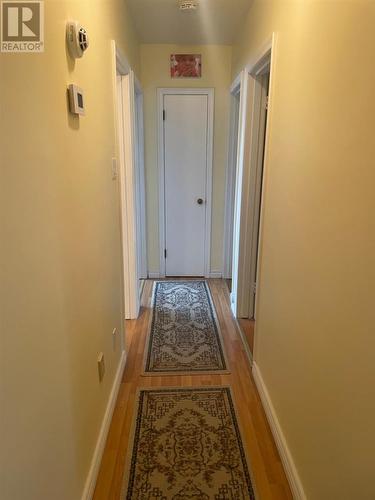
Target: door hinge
267, 102
164, 115
165, 253
254, 288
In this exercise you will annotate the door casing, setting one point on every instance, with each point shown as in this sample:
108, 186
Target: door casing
247, 247
161, 171
128, 159
140, 179
230, 177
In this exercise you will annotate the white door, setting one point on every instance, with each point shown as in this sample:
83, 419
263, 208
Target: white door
185, 156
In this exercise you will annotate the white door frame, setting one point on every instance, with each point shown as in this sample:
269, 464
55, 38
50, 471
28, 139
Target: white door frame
140, 182
256, 179
123, 76
230, 178
161, 170
249, 165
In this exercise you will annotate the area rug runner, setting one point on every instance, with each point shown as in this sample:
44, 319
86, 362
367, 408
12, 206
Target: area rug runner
184, 336
186, 444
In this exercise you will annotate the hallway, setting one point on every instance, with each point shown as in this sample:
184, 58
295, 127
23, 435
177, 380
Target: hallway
268, 476
144, 140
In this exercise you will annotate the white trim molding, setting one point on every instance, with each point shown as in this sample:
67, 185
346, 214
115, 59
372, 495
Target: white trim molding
103, 433
140, 181
241, 185
161, 92
271, 49
236, 84
154, 276
215, 274
129, 199
230, 176
251, 175
257, 64
126, 157
281, 443
121, 64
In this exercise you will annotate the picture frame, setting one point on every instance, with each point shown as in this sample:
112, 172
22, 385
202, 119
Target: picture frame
186, 65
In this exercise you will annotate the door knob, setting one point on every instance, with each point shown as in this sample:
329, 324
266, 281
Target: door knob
200, 201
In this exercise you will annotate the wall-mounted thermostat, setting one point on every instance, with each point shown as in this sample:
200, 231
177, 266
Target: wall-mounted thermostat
76, 100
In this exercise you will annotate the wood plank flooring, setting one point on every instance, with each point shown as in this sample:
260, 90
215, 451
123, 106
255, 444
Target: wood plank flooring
268, 475
247, 326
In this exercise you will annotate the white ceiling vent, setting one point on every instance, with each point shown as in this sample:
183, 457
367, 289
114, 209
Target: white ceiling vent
188, 5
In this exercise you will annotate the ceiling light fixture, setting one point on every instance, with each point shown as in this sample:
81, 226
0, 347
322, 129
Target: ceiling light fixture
188, 5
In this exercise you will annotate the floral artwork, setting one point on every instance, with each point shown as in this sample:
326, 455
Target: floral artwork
186, 66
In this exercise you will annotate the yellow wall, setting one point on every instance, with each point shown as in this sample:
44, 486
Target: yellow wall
60, 253
216, 72
315, 319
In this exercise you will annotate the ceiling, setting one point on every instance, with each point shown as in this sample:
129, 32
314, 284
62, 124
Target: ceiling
214, 22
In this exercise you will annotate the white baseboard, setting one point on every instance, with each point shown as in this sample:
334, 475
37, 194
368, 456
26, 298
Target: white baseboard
212, 274
102, 438
285, 455
215, 274
154, 276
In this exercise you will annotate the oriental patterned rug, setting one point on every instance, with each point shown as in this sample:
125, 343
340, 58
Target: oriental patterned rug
186, 445
184, 335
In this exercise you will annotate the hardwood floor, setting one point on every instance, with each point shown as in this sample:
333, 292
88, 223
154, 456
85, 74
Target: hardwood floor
247, 327
268, 475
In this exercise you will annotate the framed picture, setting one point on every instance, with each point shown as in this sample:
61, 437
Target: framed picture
186, 65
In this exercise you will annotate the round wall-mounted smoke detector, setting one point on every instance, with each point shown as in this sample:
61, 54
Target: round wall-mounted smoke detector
77, 39
188, 5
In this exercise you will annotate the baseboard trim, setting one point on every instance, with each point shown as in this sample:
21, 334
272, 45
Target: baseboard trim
102, 438
215, 274
212, 274
285, 455
154, 276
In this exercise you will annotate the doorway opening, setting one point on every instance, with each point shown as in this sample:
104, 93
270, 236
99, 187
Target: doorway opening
235, 96
185, 180
140, 184
128, 166
256, 192
252, 132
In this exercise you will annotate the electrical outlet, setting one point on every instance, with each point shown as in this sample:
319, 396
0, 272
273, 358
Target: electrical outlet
101, 366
